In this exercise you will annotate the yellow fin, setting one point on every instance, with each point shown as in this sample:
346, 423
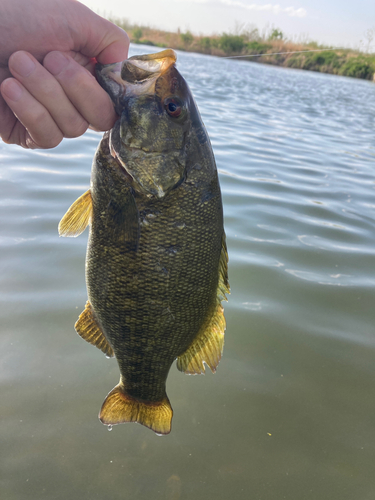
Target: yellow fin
78, 217
88, 328
208, 346
119, 408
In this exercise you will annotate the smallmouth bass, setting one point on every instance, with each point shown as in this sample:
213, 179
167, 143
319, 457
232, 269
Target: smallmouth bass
156, 263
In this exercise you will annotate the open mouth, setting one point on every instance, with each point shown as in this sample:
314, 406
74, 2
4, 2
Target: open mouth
134, 75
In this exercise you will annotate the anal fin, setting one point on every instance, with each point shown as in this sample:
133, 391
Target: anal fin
78, 216
88, 328
119, 408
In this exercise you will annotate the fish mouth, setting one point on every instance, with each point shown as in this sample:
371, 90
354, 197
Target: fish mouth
136, 75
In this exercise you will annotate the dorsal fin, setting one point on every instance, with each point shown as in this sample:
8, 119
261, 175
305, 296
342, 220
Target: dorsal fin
207, 347
78, 216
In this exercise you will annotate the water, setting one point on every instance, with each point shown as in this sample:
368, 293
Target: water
290, 412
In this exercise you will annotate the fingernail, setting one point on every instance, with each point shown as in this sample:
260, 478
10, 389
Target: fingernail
22, 64
11, 89
55, 62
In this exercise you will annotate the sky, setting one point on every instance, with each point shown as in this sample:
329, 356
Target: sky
341, 23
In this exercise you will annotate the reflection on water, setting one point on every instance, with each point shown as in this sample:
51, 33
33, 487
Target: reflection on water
290, 411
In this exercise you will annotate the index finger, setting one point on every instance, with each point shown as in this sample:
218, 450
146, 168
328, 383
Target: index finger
82, 89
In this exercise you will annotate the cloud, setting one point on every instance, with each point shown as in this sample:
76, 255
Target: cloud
274, 9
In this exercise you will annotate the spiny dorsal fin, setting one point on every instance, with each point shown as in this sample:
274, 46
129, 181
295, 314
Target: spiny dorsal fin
208, 345
88, 328
119, 408
78, 217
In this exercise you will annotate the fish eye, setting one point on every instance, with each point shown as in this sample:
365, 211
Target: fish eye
173, 106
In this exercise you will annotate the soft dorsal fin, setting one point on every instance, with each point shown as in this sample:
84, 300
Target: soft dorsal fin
78, 217
88, 328
207, 347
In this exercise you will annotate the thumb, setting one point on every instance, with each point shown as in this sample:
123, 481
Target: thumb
101, 39
116, 45
115, 52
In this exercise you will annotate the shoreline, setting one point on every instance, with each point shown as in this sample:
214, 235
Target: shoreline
318, 58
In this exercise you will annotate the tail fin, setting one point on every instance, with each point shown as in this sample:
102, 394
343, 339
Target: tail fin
119, 408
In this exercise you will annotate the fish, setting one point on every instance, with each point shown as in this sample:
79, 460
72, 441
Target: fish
157, 261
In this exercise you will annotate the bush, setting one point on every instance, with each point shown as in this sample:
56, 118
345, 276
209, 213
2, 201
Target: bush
294, 61
187, 38
257, 48
317, 61
357, 69
331, 59
205, 43
231, 43
137, 34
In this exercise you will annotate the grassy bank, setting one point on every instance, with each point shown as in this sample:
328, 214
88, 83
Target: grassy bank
335, 61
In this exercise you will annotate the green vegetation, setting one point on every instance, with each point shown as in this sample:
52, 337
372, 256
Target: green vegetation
137, 35
251, 42
231, 44
276, 35
339, 62
257, 48
359, 68
187, 39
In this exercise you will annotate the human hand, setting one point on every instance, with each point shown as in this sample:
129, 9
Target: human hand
50, 48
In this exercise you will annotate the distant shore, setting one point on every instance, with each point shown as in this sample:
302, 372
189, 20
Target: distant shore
335, 61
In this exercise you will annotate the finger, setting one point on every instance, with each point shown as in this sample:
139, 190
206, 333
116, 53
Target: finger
115, 52
7, 120
47, 90
42, 129
82, 89
100, 38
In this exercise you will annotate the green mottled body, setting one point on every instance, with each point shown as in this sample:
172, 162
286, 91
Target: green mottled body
152, 287
156, 267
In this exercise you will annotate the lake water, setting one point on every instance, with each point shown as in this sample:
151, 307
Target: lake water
290, 413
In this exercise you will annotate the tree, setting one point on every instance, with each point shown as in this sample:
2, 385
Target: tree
276, 35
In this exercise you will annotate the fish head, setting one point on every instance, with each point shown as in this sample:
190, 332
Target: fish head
155, 107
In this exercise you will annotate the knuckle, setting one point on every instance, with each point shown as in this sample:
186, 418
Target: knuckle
6, 138
106, 120
103, 126
76, 129
40, 115
44, 142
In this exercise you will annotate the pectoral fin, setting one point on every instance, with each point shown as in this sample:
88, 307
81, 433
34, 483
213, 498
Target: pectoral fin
88, 328
78, 217
207, 347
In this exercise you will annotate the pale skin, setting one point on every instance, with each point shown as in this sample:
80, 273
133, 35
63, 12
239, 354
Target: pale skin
48, 91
